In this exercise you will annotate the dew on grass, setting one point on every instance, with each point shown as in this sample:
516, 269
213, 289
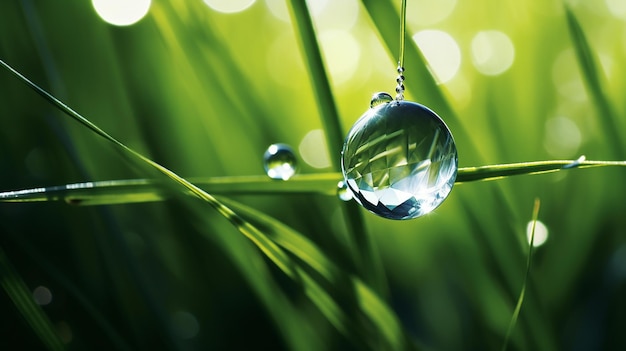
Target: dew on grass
343, 192
380, 98
399, 160
279, 162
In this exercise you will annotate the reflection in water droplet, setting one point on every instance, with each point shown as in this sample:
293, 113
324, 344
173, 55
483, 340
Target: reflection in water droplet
399, 160
343, 192
279, 161
379, 99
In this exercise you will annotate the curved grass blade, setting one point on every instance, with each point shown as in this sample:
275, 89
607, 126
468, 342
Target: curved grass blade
595, 82
145, 190
365, 254
370, 304
322, 299
23, 300
520, 300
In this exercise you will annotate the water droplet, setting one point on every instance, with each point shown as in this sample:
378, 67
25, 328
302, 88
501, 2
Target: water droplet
279, 161
343, 192
399, 160
379, 99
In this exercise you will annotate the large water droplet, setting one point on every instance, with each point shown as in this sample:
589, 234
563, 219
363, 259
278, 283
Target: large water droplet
343, 192
279, 161
399, 160
379, 99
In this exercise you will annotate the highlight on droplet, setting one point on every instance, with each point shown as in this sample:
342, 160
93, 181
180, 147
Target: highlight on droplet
121, 12
493, 52
541, 233
230, 6
441, 51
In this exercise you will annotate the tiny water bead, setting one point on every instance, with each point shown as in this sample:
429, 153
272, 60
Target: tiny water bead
343, 192
399, 160
280, 162
379, 99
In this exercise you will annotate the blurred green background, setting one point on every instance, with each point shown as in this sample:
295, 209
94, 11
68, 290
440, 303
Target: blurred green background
204, 88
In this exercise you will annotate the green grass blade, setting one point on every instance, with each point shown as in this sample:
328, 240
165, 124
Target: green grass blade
371, 305
520, 300
387, 22
492, 172
365, 254
595, 83
23, 301
145, 190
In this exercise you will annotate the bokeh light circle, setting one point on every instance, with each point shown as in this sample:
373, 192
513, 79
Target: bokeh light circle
492, 52
121, 12
229, 6
441, 52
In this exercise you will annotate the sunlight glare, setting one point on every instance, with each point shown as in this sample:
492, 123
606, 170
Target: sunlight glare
492, 52
566, 76
441, 52
230, 6
121, 12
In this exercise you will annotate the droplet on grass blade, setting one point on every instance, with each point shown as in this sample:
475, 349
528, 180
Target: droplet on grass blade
399, 160
279, 162
379, 99
343, 192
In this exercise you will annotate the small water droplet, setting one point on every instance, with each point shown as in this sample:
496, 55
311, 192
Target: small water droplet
379, 99
400, 160
279, 162
343, 192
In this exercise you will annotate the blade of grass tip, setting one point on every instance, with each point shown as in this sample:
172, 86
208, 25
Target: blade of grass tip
595, 82
520, 300
492, 172
22, 299
366, 254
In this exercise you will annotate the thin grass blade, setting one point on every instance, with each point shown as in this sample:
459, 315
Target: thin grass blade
595, 83
113, 192
365, 254
520, 300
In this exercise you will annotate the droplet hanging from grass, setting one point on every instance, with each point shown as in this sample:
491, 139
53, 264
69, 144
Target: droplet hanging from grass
400, 160
280, 162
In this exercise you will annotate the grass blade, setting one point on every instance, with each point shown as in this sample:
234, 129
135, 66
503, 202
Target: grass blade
520, 300
595, 82
145, 190
366, 254
23, 300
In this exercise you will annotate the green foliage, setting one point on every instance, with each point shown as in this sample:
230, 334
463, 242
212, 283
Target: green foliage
246, 262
